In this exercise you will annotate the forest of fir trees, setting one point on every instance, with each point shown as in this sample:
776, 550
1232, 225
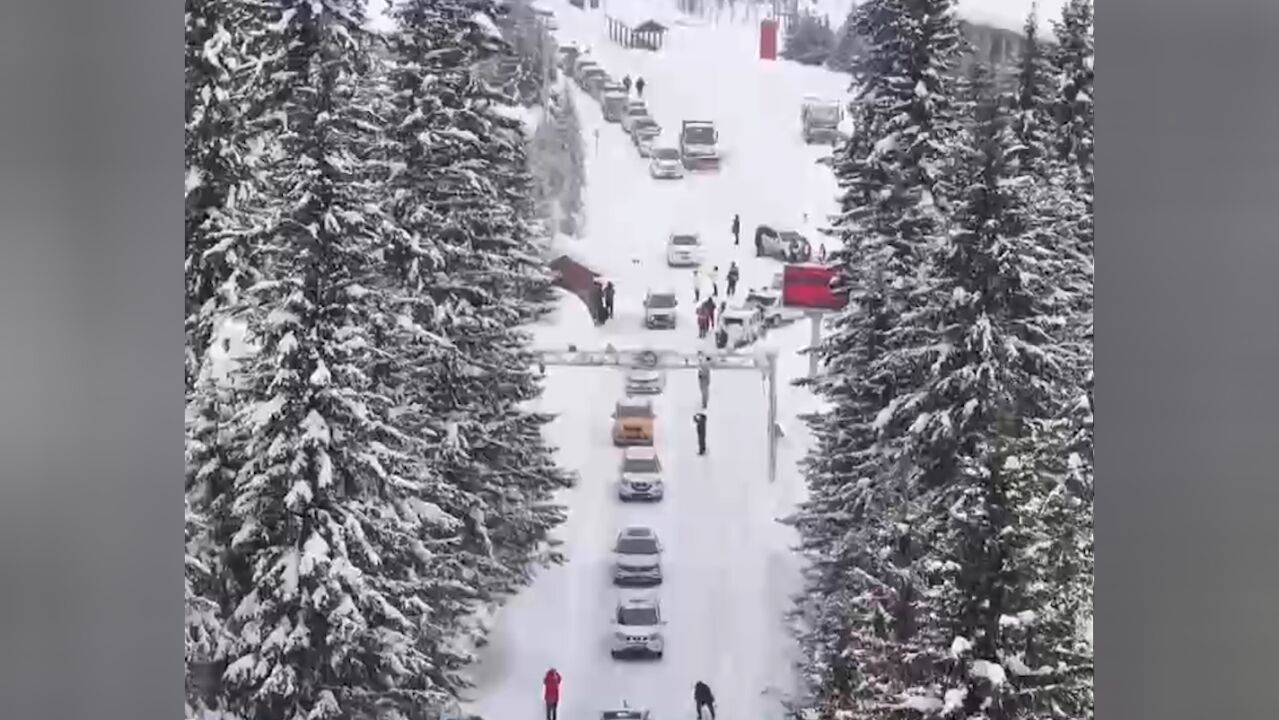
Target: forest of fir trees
949, 522
367, 479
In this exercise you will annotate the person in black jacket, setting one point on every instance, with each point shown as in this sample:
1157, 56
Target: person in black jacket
608, 299
737, 229
703, 698
700, 421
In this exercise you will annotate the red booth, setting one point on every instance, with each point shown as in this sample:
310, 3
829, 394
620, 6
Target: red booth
768, 39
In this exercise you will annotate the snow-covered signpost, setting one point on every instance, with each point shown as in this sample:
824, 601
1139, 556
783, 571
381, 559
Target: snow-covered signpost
649, 358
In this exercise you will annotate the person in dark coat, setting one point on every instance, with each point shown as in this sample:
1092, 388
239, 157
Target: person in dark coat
703, 698
551, 693
597, 303
759, 241
733, 274
608, 300
721, 338
626, 83
737, 230
639, 87
703, 324
699, 421
709, 308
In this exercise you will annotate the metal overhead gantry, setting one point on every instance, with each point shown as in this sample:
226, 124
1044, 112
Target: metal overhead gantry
764, 362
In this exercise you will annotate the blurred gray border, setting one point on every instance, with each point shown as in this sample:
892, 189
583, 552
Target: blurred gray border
91, 289
91, 376
1187, 354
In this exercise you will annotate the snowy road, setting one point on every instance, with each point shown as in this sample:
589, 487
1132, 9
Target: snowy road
728, 566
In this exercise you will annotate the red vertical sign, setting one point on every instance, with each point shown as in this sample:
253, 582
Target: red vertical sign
768, 39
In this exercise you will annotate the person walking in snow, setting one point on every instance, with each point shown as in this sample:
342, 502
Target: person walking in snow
715, 281
699, 421
737, 229
551, 693
733, 274
702, 324
721, 337
703, 698
697, 285
821, 253
708, 308
639, 87
704, 383
608, 300
626, 83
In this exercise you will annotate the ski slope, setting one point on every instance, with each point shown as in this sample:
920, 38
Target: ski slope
729, 570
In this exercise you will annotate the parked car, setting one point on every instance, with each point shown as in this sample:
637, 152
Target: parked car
644, 133
664, 163
633, 422
659, 309
769, 304
637, 557
637, 628
640, 475
684, 250
613, 104
595, 83
583, 64
786, 245
634, 112
645, 381
743, 325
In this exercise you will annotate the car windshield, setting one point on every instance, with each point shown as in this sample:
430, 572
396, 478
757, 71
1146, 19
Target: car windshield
634, 411
662, 301
684, 240
699, 135
666, 154
621, 715
637, 616
641, 465
791, 236
765, 300
637, 546
824, 113
731, 320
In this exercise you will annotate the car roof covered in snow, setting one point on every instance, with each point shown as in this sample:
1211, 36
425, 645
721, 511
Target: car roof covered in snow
639, 453
638, 601
637, 531
626, 714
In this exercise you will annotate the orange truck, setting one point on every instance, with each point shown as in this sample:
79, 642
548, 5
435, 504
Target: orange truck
633, 421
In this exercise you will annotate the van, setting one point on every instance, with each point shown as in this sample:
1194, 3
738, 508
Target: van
613, 103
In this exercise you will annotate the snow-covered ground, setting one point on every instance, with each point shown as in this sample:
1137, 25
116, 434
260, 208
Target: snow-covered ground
729, 566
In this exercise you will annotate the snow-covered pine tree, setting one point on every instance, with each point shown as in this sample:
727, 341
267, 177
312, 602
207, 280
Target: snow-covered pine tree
891, 174
1033, 117
474, 270
327, 504
1074, 109
203, 624
997, 558
221, 156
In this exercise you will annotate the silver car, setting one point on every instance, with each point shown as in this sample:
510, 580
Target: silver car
637, 557
643, 381
640, 476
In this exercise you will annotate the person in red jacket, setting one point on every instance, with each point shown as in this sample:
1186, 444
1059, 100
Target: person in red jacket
551, 693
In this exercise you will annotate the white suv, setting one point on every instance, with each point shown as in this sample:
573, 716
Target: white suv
683, 250
637, 628
637, 557
640, 476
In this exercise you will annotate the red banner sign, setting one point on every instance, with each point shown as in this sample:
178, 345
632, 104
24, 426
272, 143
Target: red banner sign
809, 287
